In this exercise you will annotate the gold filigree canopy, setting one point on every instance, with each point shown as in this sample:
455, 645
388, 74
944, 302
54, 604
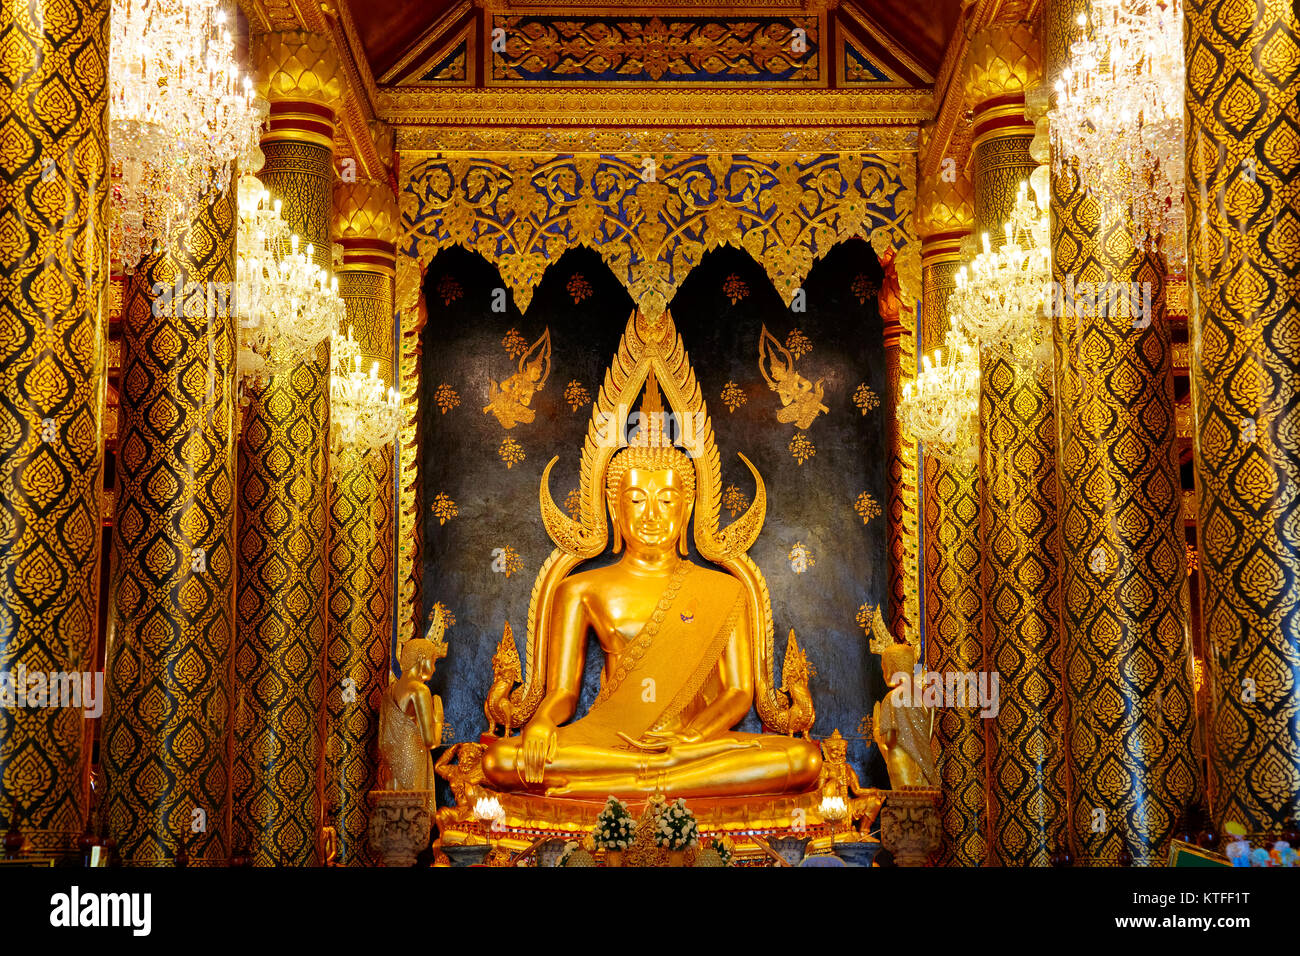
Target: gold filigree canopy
652, 348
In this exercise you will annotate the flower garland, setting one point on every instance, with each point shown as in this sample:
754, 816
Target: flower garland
615, 828
675, 826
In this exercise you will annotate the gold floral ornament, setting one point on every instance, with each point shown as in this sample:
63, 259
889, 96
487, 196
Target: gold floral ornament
576, 395
864, 288
506, 560
801, 558
733, 396
446, 398
444, 508
865, 613
734, 500
801, 447
573, 504
801, 400
865, 398
511, 452
514, 343
798, 343
867, 507
579, 288
523, 212
511, 400
735, 288
449, 290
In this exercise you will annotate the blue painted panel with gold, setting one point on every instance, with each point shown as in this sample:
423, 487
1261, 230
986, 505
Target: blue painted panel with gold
823, 547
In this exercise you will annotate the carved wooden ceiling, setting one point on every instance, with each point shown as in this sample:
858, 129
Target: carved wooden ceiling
430, 67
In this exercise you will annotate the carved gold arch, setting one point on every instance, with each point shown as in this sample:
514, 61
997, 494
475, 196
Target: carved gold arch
651, 217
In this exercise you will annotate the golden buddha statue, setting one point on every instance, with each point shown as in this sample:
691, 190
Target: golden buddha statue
688, 649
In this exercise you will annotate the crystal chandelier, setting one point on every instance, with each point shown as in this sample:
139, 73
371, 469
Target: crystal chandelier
1119, 115
179, 112
364, 413
941, 408
287, 304
1002, 297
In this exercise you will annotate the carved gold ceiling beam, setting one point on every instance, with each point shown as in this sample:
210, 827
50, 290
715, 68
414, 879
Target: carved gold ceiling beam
625, 108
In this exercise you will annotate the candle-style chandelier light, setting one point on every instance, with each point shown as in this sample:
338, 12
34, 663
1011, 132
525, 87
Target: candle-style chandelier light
179, 112
287, 304
1002, 296
364, 413
1119, 116
941, 408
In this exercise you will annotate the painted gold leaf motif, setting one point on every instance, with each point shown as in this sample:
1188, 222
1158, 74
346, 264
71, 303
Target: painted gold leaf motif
444, 509
510, 452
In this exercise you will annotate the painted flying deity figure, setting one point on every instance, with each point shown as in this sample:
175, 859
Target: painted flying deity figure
511, 400
679, 673
801, 400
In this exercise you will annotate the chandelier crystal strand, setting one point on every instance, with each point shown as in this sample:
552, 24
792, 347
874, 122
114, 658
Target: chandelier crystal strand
287, 304
941, 408
364, 413
1002, 296
179, 112
1119, 116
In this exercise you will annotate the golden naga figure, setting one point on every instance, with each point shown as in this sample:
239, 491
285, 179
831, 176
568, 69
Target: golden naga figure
410, 717
794, 683
688, 648
801, 400
510, 400
505, 675
901, 724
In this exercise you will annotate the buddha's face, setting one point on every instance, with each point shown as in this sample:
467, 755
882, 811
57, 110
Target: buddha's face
652, 508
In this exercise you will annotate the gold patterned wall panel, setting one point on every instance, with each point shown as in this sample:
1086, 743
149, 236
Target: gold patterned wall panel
954, 608
1132, 712
369, 298
1243, 171
1026, 740
651, 218
53, 280
278, 767
360, 625
166, 729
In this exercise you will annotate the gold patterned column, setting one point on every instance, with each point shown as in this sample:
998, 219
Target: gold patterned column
1026, 743
1243, 166
278, 763
166, 730
53, 279
361, 527
1132, 712
951, 504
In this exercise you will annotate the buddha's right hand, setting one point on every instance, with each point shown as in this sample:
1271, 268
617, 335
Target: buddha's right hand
538, 744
